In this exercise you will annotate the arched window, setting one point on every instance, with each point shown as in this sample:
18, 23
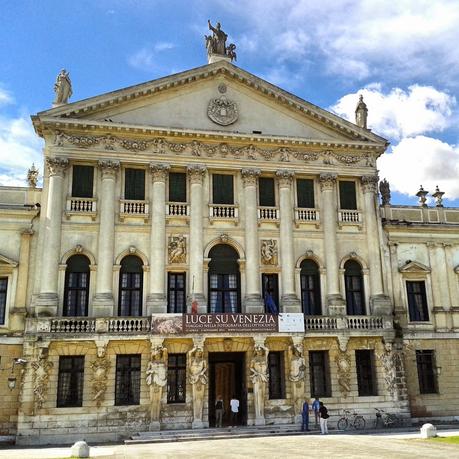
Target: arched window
355, 299
76, 290
224, 280
310, 288
131, 286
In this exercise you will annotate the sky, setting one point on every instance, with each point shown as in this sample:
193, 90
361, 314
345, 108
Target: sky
402, 56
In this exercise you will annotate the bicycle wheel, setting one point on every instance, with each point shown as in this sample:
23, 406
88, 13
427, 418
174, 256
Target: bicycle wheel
342, 424
359, 422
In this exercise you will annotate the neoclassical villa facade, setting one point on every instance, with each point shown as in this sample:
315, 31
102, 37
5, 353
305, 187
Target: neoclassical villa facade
209, 234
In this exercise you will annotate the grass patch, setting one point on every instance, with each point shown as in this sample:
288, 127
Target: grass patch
453, 440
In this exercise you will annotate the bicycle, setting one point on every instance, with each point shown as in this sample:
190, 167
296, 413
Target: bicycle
351, 420
388, 419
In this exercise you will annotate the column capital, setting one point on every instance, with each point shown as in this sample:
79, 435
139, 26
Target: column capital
250, 176
327, 181
108, 167
57, 166
196, 173
285, 177
369, 183
159, 172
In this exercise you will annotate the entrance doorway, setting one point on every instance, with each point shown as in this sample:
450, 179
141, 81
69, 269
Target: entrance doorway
227, 378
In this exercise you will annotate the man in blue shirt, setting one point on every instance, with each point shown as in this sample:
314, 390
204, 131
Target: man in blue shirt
316, 408
305, 416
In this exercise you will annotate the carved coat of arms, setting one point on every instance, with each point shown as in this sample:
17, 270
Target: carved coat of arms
222, 111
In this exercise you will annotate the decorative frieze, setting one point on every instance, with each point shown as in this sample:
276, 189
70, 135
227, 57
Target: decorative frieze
250, 176
196, 173
159, 172
56, 166
327, 181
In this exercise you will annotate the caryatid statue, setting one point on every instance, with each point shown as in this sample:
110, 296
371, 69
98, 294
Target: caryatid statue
62, 88
296, 376
198, 380
156, 380
259, 378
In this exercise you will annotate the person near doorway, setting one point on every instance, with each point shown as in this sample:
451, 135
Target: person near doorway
234, 404
316, 408
323, 419
219, 409
305, 417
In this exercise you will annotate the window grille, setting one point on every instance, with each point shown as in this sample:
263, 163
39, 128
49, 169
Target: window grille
176, 295
366, 380
319, 372
276, 375
176, 378
310, 288
127, 382
76, 292
70, 381
425, 361
417, 301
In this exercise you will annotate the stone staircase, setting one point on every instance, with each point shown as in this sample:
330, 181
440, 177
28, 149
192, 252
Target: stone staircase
164, 436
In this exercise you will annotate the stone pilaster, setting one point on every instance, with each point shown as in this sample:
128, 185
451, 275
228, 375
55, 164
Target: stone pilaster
336, 304
379, 302
196, 175
156, 300
289, 300
253, 302
47, 301
103, 300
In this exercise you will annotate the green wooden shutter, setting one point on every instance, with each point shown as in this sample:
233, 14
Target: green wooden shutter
347, 197
134, 184
305, 193
82, 181
222, 189
177, 187
266, 192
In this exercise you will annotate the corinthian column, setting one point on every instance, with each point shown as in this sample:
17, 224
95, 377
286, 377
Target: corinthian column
289, 300
47, 300
156, 300
253, 301
103, 300
196, 176
335, 301
380, 303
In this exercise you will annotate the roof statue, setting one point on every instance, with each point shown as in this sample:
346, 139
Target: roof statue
361, 113
62, 88
216, 44
384, 189
32, 176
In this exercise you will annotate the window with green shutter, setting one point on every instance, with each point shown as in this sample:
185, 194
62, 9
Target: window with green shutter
347, 197
134, 184
266, 193
222, 189
305, 193
177, 187
82, 181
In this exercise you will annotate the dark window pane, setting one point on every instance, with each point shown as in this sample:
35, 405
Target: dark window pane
270, 285
3, 292
347, 197
305, 193
176, 378
276, 375
310, 288
425, 361
266, 191
70, 381
417, 301
177, 187
76, 291
366, 380
222, 189
127, 382
319, 373
134, 184
82, 181
176, 299
353, 279
131, 286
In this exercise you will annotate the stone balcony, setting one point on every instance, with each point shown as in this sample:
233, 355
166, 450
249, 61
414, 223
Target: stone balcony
130, 208
423, 215
81, 207
223, 213
268, 214
305, 215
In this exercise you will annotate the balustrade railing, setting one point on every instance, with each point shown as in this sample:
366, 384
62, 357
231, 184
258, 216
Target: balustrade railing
223, 211
129, 325
73, 325
306, 215
133, 207
81, 205
346, 322
177, 209
320, 323
268, 213
350, 216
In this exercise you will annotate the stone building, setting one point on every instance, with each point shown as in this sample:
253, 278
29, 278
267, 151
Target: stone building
177, 218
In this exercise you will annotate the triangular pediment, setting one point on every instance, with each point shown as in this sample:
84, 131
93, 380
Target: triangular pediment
414, 267
7, 262
217, 97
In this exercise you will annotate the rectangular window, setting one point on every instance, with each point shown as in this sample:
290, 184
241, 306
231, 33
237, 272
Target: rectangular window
425, 361
134, 184
70, 381
82, 181
177, 187
266, 193
305, 193
347, 196
3, 292
366, 380
417, 301
270, 285
319, 371
276, 375
176, 378
176, 298
127, 382
222, 189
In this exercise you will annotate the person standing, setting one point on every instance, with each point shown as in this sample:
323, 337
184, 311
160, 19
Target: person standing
316, 408
219, 409
305, 416
323, 419
234, 404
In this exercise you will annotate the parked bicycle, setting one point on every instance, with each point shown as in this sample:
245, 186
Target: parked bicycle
386, 419
351, 420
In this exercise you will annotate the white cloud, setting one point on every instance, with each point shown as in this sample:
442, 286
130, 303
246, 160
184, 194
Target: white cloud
5, 97
146, 58
399, 113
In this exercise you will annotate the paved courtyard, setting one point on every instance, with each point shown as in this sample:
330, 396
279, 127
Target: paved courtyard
383, 446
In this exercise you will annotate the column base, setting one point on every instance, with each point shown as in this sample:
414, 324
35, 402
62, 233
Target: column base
290, 303
380, 305
254, 304
156, 304
202, 303
336, 305
260, 422
46, 304
102, 305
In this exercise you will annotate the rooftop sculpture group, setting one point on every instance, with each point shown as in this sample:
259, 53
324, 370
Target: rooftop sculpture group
216, 44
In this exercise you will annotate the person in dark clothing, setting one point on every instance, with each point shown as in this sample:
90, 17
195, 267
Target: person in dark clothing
305, 416
219, 409
323, 412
